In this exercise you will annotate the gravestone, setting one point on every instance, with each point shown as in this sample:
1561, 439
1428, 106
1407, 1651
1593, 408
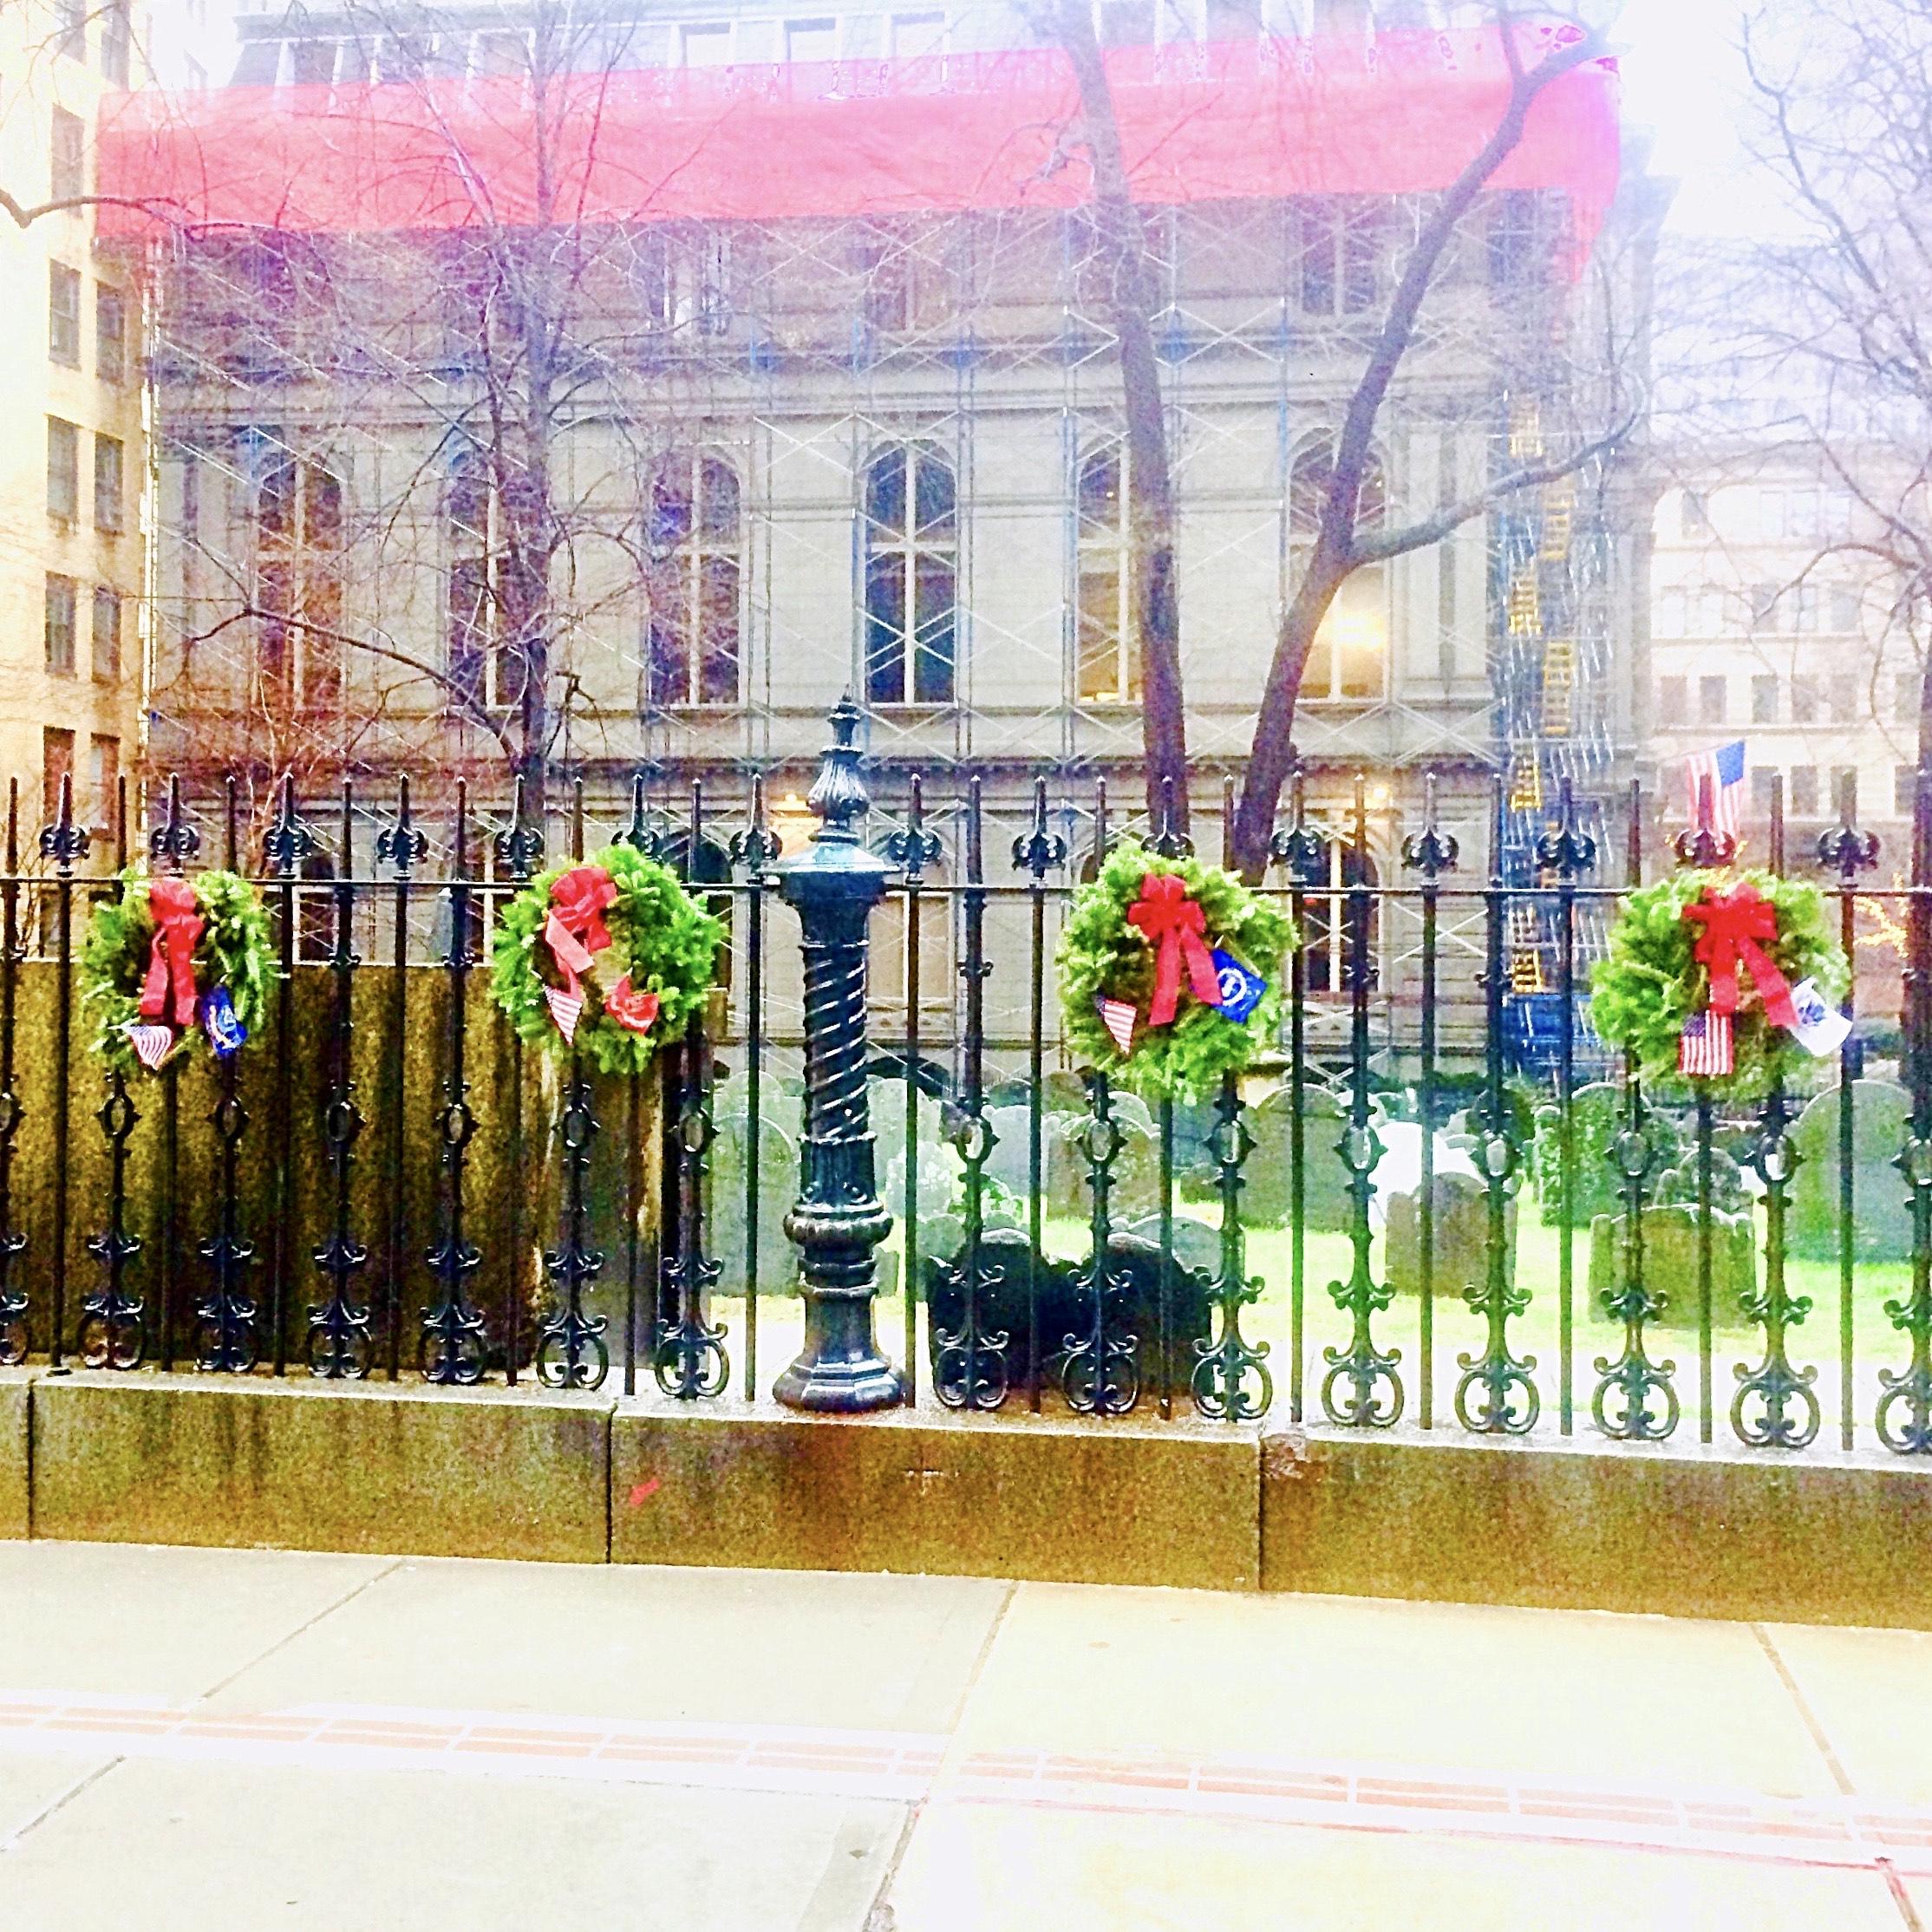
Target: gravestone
1267, 1175
1135, 1259
724, 1219
1670, 1264
1014, 1280
1196, 1244
1460, 1245
1882, 1219
1136, 1172
1597, 1119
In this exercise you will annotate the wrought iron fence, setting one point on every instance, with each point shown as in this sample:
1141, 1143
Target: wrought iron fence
389, 1184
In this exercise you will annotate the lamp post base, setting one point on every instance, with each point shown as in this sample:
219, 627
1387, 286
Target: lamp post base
839, 1387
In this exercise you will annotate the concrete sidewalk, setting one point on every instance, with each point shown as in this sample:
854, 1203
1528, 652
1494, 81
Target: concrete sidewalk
225, 1738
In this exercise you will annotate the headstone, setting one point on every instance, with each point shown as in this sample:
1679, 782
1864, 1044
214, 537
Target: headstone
1267, 1175
1015, 1280
1136, 1172
725, 1216
1459, 1237
1063, 1093
1597, 1119
1882, 1215
1670, 1264
1136, 1259
1196, 1244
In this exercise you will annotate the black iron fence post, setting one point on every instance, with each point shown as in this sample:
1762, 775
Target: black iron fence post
838, 1219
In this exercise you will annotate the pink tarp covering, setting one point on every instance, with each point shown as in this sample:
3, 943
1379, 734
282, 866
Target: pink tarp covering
1211, 122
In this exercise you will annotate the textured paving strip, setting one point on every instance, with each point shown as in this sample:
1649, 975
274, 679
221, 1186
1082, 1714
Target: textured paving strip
906, 1767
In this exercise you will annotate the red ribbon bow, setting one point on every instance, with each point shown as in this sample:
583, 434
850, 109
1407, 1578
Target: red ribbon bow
1733, 922
170, 904
575, 928
1173, 922
634, 1011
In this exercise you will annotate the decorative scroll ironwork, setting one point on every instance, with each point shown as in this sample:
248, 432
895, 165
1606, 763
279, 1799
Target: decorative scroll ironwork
570, 1350
1431, 852
1509, 1399
1100, 1372
756, 849
1167, 842
1362, 1365
454, 1346
1775, 1385
1904, 1415
66, 844
339, 1339
1036, 852
400, 844
114, 1332
970, 1368
1621, 1403
1231, 1381
689, 1360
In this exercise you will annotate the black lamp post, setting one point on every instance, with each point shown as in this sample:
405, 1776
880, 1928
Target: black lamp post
837, 1219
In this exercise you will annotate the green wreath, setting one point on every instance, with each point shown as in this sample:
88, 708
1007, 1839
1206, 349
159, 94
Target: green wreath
650, 948
1651, 983
231, 953
1104, 956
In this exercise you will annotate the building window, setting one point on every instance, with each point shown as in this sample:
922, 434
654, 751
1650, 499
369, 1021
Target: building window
1845, 699
1694, 514
1712, 700
880, 262
1764, 701
110, 483
917, 35
116, 38
912, 577
57, 769
1331, 919
63, 314
106, 637
1339, 249
1763, 782
1764, 606
1672, 702
1109, 657
694, 541
64, 469
492, 599
66, 166
1844, 781
1905, 789
103, 801
110, 333
1520, 241
706, 43
62, 601
71, 29
298, 586
1844, 610
1348, 659
812, 40
1804, 790
1805, 700
1908, 688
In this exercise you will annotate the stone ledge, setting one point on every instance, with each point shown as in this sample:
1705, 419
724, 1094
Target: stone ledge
306, 1465
1822, 1537
1049, 1501
16, 1513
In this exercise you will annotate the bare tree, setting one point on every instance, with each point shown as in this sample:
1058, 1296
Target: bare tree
1350, 531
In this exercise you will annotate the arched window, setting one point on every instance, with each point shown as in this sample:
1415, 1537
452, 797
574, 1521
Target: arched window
912, 577
1331, 919
694, 542
1109, 661
298, 581
1349, 660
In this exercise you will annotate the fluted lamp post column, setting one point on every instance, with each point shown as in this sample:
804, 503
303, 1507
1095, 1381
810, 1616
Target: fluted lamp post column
837, 1219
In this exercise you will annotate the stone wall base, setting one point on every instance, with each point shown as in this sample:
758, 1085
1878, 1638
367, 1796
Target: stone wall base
524, 1472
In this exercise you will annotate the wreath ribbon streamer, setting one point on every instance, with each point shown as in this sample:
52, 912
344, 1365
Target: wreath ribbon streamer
574, 929
1174, 924
178, 923
1733, 922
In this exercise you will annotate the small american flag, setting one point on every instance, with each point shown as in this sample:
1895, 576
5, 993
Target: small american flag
1716, 787
1704, 1049
1118, 1017
566, 1010
152, 1045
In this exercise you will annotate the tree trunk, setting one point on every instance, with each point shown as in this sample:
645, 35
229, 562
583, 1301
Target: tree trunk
1154, 589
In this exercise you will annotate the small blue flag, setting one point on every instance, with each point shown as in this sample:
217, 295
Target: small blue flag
1241, 990
221, 1024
